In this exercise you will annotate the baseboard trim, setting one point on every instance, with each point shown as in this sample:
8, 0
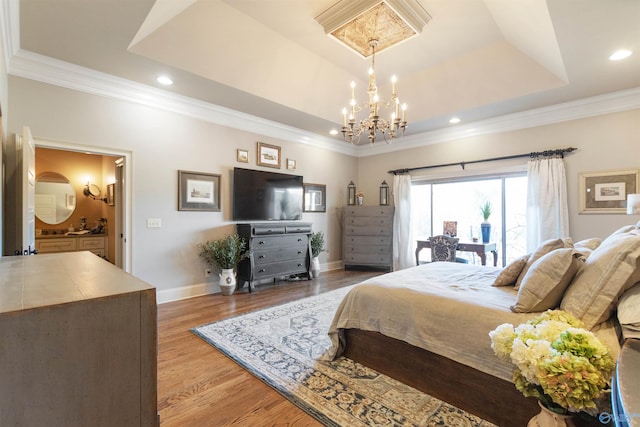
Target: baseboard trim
186, 292
200, 289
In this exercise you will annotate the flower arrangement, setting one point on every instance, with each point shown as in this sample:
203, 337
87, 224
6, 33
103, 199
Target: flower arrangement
564, 366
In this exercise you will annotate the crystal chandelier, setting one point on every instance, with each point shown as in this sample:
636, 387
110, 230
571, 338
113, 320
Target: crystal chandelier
374, 124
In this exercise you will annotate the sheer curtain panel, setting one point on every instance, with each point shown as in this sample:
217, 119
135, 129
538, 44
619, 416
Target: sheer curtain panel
547, 211
403, 245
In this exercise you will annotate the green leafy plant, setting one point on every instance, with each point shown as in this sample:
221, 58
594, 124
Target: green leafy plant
486, 209
317, 243
224, 253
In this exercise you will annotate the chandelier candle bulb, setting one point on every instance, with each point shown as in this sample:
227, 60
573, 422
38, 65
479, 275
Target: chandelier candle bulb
393, 85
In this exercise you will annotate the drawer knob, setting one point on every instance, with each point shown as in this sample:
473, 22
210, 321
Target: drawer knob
262, 256
261, 242
262, 270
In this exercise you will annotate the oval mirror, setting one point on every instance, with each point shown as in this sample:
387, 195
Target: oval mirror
55, 198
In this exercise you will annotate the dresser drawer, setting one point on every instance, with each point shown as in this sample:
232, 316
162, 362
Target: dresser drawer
294, 240
90, 243
354, 230
364, 259
368, 240
268, 229
367, 249
283, 268
277, 255
56, 245
376, 221
369, 211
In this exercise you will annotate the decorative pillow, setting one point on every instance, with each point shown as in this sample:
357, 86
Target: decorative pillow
629, 308
592, 243
612, 268
545, 282
510, 273
544, 248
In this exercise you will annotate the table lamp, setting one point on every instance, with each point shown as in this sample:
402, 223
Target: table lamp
633, 204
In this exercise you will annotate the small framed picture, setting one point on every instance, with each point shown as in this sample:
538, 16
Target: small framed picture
268, 155
315, 198
198, 191
111, 197
606, 192
291, 164
242, 156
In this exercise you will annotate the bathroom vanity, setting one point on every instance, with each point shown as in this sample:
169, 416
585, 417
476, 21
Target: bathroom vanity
52, 243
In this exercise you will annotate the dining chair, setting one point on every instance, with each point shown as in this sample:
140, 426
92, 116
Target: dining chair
443, 248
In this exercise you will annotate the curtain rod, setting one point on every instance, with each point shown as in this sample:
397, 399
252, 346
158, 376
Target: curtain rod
547, 153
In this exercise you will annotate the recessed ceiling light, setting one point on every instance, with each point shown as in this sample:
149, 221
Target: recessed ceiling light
454, 120
164, 80
333, 131
620, 54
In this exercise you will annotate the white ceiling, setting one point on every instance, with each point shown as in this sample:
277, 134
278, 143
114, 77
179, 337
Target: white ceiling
475, 59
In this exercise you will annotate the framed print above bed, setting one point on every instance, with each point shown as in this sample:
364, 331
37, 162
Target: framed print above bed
606, 192
198, 191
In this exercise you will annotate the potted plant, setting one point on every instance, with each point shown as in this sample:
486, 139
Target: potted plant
225, 255
317, 246
485, 209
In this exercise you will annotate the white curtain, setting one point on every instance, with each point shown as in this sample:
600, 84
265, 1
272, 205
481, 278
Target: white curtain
547, 210
403, 247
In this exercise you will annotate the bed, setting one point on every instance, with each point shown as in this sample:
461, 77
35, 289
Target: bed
428, 325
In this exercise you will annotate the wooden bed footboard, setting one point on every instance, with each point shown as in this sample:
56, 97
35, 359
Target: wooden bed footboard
484, 395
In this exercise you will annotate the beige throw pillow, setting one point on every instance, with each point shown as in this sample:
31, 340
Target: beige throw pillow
544, 248
510, 273
547, 279
629, 308
612, 268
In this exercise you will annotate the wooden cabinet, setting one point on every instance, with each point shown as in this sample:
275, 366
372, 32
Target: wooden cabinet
79, 343
276, 251
63, 243
368, 237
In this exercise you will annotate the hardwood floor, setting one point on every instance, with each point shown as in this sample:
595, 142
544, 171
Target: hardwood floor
199, 386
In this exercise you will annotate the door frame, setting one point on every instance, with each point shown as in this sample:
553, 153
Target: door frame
127, 201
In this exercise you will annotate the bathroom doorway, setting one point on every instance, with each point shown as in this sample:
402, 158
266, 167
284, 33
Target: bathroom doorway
101, 181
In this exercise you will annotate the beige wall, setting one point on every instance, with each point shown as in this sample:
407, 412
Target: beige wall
161, 143
606, 142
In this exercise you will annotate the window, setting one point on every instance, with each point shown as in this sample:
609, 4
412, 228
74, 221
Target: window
435, 202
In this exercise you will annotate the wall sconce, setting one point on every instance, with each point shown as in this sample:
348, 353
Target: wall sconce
633, 204
384, 194
351, 194
93, 191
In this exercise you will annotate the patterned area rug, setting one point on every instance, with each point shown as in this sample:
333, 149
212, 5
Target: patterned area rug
282, 346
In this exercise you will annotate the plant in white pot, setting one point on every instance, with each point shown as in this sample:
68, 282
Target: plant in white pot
225, 255
485, 209
317, 246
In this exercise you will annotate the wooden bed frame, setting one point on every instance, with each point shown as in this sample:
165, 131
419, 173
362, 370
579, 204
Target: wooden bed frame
481, 394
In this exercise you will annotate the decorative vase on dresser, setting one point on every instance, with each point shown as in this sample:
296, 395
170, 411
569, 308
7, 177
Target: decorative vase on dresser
368, 237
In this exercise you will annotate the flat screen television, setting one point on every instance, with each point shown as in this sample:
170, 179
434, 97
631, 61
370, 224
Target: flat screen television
266, 196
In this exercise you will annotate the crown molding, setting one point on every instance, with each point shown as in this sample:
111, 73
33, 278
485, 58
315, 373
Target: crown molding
574, 110
48, 70
59, 73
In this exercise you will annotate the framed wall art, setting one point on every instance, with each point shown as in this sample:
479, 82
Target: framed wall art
291, 164
198, 191
242, 156
606, 192
268, 155
315, 198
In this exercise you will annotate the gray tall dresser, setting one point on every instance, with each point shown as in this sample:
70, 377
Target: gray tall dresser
368, 237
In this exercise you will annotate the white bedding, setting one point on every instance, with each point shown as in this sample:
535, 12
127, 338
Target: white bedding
444, 307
